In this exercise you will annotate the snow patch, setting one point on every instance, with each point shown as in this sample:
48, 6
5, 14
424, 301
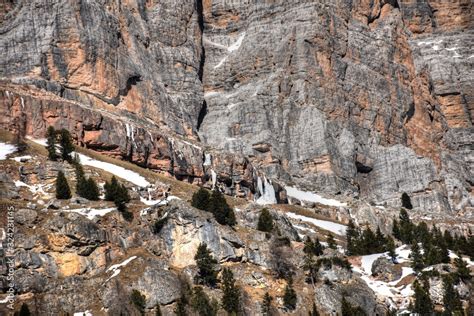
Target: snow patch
86, 313
311, 197
129, 175
162, 202
220, 62
335, 228
207, 160
6, 149
237, 44
22, 158
90, 213
115, 268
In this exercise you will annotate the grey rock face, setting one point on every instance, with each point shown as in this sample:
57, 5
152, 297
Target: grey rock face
385, 270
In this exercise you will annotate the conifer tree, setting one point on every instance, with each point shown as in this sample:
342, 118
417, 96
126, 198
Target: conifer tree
267, 304
158, 310
391, 249
138, 300
352, 237
206, 264
92, 190
289, 297
380, 241
416, 257
201, 304
180, 309
314, 311
62, 187
406, 201
348, 310
369, 242
200, 199
396, 229
423, 305
231, 293
451, 301
406, 227
51, 143
111, 189
462, 270
67, 146
313, 247
331, 242
265, 221
24, 310
218, 206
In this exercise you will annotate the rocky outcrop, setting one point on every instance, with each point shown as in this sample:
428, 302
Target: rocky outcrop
364, 98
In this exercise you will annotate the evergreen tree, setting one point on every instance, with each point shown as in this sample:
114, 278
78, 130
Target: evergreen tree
67, 146
111, 189
92, 190
416, 257
406, 201
180, 309
348, 310
391, 249
352, 237
62, 187
231, 293
265, 221
289, 297
267, 304
158, 310
314, 311
24, 310
200, 199
369, 242
312, 267
396, 229
331, 242
423, 305
51, 143
206, 264
462, 270
380, 241
451, 301
312, 248
201, 304
406, 227
138, 300
218, 206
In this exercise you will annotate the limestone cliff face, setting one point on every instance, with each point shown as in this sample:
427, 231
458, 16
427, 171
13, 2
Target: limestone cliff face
364, 98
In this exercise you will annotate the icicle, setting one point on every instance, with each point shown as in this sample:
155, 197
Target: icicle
22, 102
214, 178
207, 160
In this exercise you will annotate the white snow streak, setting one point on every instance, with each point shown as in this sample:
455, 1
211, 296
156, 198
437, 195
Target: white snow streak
6, 149
335, 228
116, 267
90, 213
311, 197
267, 192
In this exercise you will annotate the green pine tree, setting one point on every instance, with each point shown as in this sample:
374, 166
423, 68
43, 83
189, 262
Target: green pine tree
331, 242
423, 305
352, 238
231, 293
218, 206
24, 310
314, 311
451, 301
92, 190
51, 143
396, 229
289, 297
180, 308
406, 227
158, 310
348, 310
265, 221
380, 241
67, 146
206, 264
267, 304
200, 199
62, 187
406, 201
111, 189
462, 270
201, 304
138, 300
390, 247
416, 257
